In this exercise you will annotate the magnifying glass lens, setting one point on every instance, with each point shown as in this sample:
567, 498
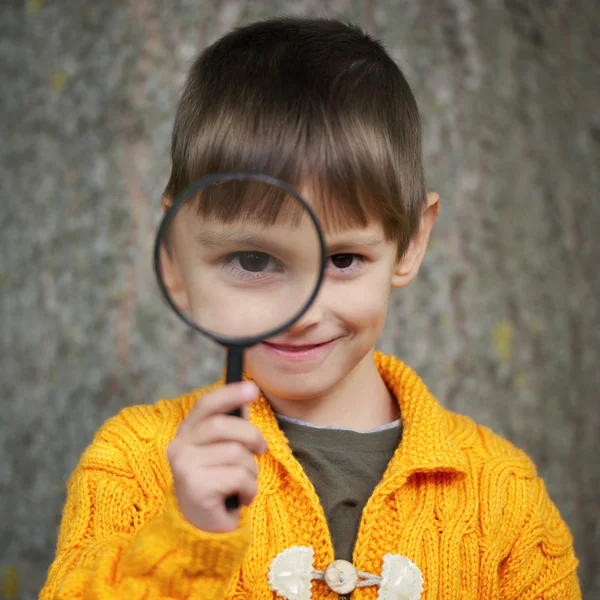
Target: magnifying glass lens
240, 259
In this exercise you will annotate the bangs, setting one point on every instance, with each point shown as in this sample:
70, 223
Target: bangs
337, 173
246, 200
258, 202
317, 104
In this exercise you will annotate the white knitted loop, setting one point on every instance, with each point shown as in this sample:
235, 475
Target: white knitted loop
291, 572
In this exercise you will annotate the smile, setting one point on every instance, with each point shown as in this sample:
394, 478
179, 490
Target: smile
298, 351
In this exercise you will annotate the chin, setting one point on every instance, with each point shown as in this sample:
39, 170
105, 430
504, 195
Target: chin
296, 386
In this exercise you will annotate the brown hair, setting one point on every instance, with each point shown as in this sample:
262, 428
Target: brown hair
312, 100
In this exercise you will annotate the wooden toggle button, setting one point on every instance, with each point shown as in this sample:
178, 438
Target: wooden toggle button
341, 577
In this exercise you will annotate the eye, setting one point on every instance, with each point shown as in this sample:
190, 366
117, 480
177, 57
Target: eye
345, 261
251, 265
253, 261
342, 261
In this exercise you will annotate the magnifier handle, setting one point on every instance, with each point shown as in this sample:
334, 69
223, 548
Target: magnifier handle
233, 502
235, 364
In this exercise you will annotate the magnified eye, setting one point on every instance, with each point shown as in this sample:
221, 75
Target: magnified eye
250, 265
253, 261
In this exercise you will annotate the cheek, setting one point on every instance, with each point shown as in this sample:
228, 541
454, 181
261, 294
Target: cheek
362, 303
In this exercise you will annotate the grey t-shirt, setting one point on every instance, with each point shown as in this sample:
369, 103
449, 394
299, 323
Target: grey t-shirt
344, 466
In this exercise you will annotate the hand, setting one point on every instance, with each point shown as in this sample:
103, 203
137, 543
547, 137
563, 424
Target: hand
211, 457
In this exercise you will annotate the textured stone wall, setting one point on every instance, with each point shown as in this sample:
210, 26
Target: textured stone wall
503, 322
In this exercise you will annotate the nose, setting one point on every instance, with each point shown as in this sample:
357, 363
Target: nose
310, 319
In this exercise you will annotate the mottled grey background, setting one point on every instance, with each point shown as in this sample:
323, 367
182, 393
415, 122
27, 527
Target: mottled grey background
503, 322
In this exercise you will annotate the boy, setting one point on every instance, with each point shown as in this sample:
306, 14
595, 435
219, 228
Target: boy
353, 480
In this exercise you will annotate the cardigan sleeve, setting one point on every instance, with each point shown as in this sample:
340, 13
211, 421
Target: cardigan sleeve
540, 560
122, 535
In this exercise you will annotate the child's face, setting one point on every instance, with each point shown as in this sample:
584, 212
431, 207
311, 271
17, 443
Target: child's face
343, 324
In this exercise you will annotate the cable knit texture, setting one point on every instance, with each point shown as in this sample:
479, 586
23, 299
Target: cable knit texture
462, 503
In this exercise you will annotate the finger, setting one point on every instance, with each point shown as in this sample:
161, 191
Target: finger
192, 459
222, 400
234, 480
225, 428
245, 412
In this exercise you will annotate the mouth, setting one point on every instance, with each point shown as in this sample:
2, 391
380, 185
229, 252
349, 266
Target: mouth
299, 351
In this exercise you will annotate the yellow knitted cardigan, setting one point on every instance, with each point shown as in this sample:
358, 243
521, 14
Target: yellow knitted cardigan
459, 501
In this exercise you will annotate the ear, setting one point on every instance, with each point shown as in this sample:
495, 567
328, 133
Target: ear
173, 280
408, 266
166, 203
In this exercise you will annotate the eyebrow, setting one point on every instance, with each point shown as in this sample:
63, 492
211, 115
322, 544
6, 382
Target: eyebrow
223, 240
370, 241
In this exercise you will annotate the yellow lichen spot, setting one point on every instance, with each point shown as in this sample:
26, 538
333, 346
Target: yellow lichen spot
53, 377
34, 6
520, 381
502, 338
447, 368
535, 325
117, 294
10, 583
58, 485
445, 320
438, 105
58, 80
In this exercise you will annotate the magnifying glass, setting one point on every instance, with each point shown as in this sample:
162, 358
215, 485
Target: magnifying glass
239, 257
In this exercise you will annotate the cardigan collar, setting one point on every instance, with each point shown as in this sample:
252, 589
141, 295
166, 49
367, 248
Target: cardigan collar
427, 444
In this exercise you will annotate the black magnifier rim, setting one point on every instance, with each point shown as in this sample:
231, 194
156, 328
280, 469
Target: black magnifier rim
244, 342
